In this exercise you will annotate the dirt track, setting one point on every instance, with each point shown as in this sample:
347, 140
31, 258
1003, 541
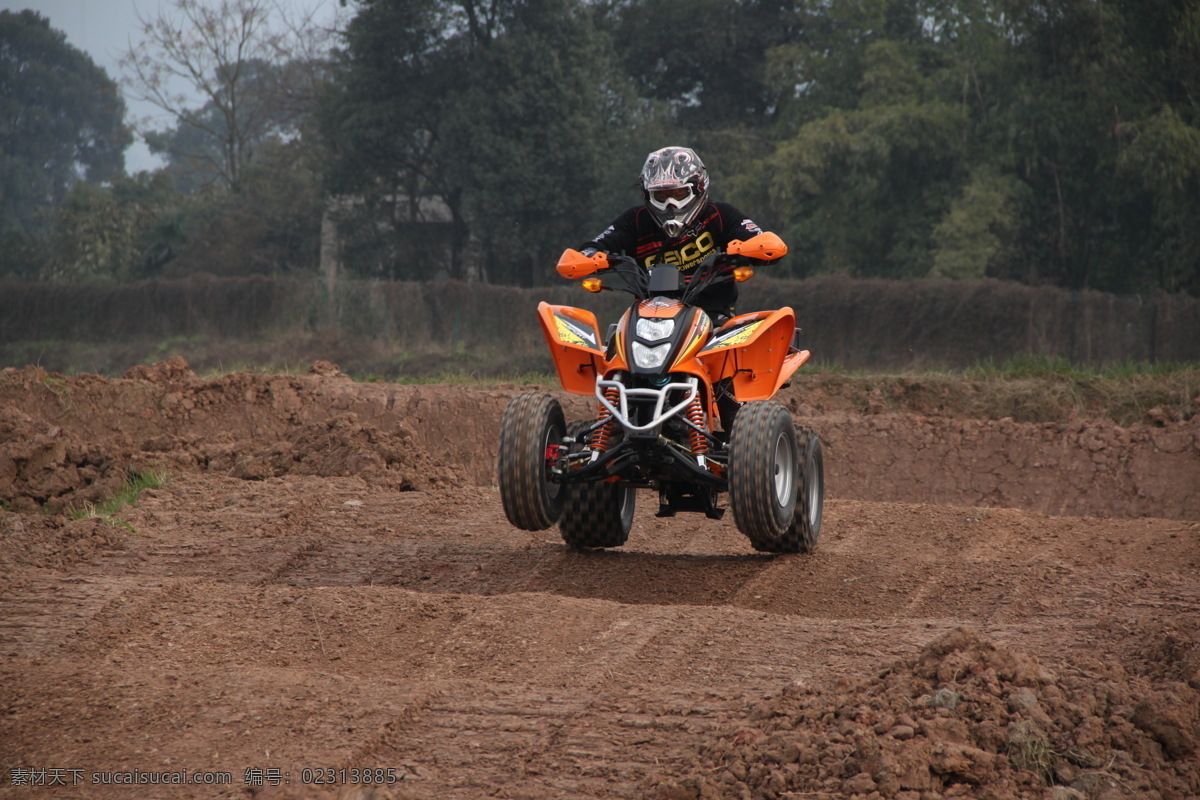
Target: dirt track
327, 580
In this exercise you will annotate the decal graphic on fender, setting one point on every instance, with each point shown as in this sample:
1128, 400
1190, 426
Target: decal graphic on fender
573, 333
734, 337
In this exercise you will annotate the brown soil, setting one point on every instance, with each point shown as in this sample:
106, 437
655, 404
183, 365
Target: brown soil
997, 608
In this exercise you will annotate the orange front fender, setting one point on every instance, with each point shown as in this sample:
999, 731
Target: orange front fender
575, 345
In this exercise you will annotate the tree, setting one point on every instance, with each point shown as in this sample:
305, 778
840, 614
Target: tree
256, 71
111, 232
61, 121
492, 123
707, 58
859, 191
196, 150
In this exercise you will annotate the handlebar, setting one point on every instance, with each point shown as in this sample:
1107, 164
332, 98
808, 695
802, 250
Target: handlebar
714, 269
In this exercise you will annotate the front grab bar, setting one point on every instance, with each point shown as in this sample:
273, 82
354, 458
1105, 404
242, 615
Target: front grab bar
691, 386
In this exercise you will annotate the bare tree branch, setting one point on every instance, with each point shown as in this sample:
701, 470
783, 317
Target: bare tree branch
251, 66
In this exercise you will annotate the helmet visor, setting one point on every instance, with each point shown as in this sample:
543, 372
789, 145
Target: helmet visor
676, 197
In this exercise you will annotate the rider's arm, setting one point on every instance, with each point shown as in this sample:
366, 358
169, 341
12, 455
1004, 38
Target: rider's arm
738, 227
619, 237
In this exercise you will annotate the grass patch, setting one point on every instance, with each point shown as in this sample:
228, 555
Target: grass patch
1034, 391
127, 495
1029, 365
1029, 749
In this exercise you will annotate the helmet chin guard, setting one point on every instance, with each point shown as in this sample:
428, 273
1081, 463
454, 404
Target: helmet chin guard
674, 188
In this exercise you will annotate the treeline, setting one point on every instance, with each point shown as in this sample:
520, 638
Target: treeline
1047, 142
858, 324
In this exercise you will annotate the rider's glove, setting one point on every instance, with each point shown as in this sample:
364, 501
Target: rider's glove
590, 251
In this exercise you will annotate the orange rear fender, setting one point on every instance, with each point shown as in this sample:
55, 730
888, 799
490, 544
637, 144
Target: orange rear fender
575, 345
753, 350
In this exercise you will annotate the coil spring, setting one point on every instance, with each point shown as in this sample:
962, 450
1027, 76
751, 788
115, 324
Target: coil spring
601, 435
695, 415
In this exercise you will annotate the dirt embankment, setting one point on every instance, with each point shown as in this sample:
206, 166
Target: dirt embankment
74, 440
997, 608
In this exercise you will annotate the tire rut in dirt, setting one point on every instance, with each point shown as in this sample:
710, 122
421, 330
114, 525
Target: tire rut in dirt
531, 422
630, 578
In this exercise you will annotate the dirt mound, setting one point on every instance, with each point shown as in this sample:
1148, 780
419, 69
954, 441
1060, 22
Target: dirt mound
50, 542
175, 368
1083, 467
341, 446
963, 719
45, 466
67, 442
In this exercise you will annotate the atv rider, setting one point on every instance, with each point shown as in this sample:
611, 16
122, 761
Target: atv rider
677, 224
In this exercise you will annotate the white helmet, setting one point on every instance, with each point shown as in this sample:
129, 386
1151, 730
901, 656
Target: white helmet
674, 187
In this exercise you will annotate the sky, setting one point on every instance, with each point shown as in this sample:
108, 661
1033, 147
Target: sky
104, 29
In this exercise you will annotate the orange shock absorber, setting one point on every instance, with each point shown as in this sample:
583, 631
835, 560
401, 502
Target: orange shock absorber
601, 435
695, 415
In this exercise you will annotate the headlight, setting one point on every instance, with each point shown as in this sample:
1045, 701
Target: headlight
654, 329
650, 357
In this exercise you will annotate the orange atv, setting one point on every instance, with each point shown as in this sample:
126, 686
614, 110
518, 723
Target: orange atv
658, 383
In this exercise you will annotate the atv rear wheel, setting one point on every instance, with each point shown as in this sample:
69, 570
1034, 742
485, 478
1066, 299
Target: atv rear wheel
763, 476
598, 514
810, 504
532, 422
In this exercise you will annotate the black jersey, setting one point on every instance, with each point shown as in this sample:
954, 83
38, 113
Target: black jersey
636, 234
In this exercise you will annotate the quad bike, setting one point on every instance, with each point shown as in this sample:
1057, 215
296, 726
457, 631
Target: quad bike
661, 382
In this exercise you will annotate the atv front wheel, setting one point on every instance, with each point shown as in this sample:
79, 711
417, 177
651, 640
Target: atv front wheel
532, 422
763, 479
598, 514
810, 505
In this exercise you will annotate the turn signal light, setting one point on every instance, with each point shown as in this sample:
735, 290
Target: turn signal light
592, 284
743, 273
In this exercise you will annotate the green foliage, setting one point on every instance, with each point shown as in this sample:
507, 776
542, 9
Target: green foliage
706, 58
1164, 159
1051, 143
60, 120
1043, 142
108, 232
978, 230
270, 226
127, 495
494, 123
863, 188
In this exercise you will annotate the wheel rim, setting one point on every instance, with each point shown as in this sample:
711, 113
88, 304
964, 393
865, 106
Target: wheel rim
813, 493
627, 499
552, 489
814, 477
785, 470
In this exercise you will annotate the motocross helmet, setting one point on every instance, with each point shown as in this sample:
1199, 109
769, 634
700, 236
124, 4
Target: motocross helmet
674, 187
